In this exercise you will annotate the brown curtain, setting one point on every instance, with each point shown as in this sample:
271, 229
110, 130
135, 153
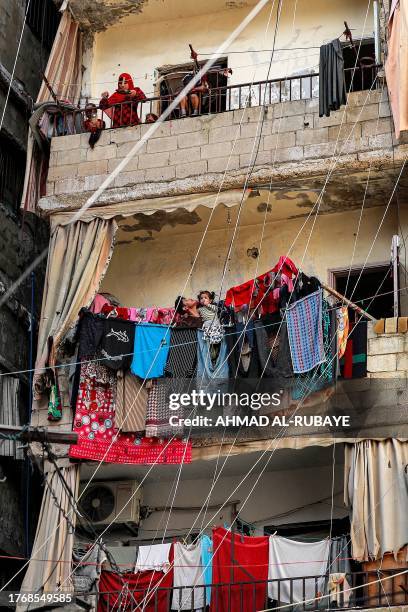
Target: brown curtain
51, 558
64, 73
396, 65
78, 257
376, 492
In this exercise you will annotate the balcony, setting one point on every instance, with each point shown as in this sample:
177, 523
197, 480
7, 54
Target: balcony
244, 596
192, 155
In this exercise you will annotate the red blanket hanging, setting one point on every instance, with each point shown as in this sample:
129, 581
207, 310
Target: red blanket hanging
241, 560
125, 592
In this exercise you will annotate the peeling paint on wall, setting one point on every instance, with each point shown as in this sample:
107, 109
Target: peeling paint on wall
98, 15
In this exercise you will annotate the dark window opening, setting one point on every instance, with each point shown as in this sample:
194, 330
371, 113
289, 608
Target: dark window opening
310, 530
12, 169
373, 282
373, 292
43, 19
171, 82
359, 75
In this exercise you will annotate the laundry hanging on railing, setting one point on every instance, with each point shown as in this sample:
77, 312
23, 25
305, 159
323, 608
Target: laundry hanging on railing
154, 557
305, 332
151, 350
99, 438
146, 590
187, 572
332, 86
264, 290
311, 559
242, 560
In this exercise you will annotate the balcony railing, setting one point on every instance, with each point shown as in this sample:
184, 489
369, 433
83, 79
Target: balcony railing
245, 596
216, 100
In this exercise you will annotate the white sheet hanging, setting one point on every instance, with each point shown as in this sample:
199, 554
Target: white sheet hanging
187, 573
154, 557
292, 559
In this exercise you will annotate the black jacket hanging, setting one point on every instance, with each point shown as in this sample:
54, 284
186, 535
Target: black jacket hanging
332, 87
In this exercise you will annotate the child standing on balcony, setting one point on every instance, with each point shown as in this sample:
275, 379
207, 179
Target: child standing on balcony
121, 106
213, 330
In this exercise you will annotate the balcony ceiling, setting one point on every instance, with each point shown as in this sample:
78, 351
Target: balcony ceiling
284, 459
284, 202
97, 15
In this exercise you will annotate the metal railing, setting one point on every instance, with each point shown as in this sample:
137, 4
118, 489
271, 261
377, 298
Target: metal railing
308, 593
214, 101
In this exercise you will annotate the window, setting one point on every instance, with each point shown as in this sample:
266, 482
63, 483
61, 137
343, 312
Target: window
170, 82
12, 169
375, 280
359, 76
43, 19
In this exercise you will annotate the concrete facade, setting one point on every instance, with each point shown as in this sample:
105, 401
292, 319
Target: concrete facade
22, 238
194, 154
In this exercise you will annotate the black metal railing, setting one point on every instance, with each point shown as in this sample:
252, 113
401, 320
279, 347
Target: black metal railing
215, 100
308, 593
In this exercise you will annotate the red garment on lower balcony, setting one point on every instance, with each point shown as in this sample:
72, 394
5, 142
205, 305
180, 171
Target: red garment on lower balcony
239, 559
149, 591
98, 434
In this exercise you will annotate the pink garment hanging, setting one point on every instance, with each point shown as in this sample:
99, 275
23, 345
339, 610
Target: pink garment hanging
98, 303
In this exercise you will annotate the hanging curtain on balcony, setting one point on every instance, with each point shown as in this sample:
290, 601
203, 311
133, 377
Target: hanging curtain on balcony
396, 65
50, 566
78, 257
64, 74
376, 492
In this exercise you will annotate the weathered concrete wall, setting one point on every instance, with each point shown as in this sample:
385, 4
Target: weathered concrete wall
192, 155
156, 40
387, 355
20, 242
31, 61
139, 275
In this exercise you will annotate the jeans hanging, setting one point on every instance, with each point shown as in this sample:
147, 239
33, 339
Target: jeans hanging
207, 370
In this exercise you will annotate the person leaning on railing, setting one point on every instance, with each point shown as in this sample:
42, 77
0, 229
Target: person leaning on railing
121, 106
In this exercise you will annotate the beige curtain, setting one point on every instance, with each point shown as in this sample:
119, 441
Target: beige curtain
376, 491
77, 261
396, 65
51, 558
64, 73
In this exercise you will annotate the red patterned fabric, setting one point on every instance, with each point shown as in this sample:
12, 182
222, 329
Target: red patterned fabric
251, 559
94, 422
149, 590
123, 114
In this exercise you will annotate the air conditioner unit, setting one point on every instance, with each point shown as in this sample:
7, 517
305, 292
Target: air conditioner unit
116, 502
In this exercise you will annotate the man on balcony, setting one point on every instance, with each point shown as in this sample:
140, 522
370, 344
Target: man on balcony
121, 106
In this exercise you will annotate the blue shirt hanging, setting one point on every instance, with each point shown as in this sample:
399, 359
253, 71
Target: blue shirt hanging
150, 350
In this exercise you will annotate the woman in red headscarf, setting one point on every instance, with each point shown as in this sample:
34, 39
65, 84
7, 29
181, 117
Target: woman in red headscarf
115, 105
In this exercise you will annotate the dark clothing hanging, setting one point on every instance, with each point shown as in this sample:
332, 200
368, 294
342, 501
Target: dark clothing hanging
273, 349
90, 332
117, 344
332, 87
243, 358
182, 357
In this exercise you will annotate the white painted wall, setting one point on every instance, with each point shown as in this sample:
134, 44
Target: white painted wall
141, 43
154, 272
